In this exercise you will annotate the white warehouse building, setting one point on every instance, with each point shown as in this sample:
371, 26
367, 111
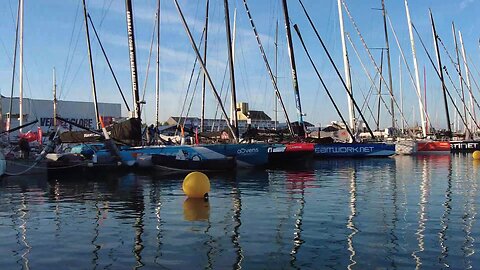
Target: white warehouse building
79, 112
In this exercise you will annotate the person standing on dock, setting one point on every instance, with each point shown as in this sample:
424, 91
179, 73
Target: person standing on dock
24, 148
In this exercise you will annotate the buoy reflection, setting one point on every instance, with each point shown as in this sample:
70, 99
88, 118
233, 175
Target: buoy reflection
196, 209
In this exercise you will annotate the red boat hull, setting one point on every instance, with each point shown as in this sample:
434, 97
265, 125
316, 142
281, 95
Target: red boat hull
433, 147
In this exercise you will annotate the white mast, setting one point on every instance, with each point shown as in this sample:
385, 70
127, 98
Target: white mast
469, 86
417, 76
401, 90
20, 86
346, 66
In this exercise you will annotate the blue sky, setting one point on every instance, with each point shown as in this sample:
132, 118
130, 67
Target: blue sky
54, 37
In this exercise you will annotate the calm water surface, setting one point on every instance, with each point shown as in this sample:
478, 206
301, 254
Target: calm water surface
393, 213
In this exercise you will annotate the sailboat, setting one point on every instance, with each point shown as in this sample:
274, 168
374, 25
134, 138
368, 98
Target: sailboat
423, 146
192, 157
353, 148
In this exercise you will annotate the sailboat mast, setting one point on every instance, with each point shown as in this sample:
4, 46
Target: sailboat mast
390, 83
417, 74
346, 66
157, 75
401, 90
54, 99
20, 86
133, 58
469, 86
92, 74
204, 82
233, 107
296, 91
234, 118
275, 102
202, 64
440, 70
9, 119
460, 75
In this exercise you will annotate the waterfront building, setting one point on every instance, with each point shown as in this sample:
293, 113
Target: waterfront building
79, 112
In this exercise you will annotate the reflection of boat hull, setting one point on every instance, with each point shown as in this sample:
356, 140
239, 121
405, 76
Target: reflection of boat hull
28, 167
354, 150
464, 146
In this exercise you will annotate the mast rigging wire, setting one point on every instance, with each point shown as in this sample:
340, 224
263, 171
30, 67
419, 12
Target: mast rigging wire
336, 69
438, 74
108, 62
372, 59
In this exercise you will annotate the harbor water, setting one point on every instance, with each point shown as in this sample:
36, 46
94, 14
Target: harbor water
389, 213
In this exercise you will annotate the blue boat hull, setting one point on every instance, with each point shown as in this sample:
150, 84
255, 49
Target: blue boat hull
245, 155
354, 150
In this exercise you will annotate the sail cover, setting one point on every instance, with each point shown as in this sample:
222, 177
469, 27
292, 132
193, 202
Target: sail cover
128, 131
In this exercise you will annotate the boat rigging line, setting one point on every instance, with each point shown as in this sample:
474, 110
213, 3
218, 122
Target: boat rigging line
373, 82
462, 99
302, 129
336, 69
204, 81
92, 73
458, 68
14, 67
436, 70
462, 80
188, 90
390, 83
108, 61
439, 62
147, 71
267, 65
371, 58
323, 84
234, 115
402, 54
195, 48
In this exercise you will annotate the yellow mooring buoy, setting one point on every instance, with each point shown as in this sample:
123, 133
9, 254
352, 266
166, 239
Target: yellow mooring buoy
476, 155
196, 185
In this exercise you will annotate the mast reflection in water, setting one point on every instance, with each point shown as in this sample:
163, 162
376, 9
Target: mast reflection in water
395, 213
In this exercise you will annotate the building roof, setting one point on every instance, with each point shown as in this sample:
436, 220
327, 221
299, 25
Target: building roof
259, 115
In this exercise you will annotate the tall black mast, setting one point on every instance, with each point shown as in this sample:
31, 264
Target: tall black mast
133, 58
301, 131
440, 70
234, 117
